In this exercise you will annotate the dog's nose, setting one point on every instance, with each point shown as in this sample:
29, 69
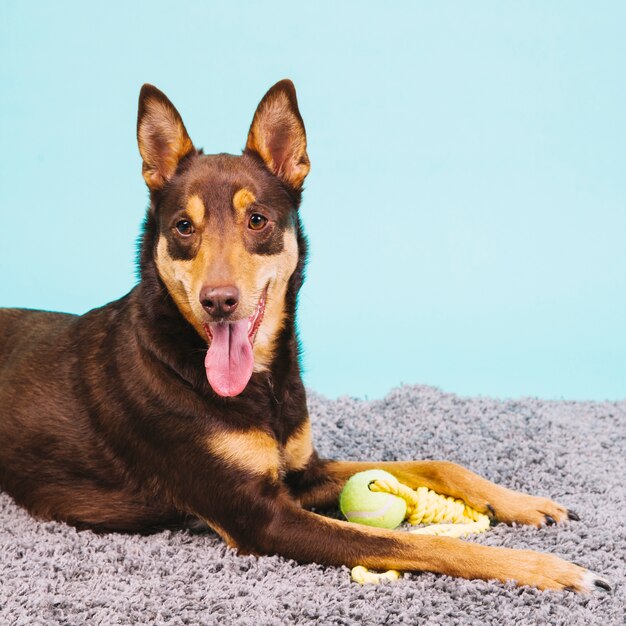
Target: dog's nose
219, 301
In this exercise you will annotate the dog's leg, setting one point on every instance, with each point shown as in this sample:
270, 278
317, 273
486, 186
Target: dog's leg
86, 505
276, 525
319, 485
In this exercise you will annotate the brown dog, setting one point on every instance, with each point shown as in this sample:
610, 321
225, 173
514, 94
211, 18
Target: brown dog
122, 419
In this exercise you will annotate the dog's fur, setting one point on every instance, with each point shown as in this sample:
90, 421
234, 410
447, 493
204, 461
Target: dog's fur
108, 420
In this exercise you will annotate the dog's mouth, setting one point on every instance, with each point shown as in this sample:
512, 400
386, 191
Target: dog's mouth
229, 360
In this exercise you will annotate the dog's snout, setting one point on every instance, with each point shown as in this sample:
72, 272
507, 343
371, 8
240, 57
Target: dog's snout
219, 301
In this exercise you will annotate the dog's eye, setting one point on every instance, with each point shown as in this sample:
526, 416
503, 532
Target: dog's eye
257, 221
184, 227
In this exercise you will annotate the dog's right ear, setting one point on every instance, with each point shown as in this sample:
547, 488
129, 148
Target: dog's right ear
162, 137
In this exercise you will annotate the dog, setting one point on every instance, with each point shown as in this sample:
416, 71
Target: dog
183, 401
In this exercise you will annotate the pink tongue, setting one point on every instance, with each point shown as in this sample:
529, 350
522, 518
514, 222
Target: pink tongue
229, 361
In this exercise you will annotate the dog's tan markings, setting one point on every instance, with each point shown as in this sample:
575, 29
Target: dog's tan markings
178, 276
242, 199
162, 139
453, 557
298, 448
195, 210
230, 542
254, 451
277, 269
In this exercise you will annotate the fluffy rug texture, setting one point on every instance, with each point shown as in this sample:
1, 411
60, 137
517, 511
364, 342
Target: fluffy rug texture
574, 452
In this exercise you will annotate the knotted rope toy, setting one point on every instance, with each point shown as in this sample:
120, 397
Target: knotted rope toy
377, 498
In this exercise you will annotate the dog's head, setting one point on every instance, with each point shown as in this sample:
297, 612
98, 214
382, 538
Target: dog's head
227, 241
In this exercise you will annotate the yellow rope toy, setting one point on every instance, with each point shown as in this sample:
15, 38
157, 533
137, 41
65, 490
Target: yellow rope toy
423, 506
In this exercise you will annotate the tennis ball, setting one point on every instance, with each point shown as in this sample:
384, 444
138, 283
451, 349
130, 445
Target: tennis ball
373, 508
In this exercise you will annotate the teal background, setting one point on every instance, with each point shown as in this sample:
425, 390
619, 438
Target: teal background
467, 200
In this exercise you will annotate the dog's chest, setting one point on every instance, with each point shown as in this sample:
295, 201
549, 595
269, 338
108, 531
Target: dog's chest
257, 451
297, 449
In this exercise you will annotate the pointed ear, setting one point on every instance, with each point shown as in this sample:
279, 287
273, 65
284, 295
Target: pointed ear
277, 135
163, 140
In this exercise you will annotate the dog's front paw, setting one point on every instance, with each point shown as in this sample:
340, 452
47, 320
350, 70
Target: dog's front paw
520, 508
546, 571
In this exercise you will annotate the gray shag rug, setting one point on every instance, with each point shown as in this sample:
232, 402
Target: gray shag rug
574, 452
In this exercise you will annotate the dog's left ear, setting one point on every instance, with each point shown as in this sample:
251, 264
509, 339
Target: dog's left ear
162, 137
277, 135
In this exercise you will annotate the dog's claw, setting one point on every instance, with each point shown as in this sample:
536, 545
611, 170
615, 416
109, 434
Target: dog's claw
602, 584
492, 511
550, 521
573, 515
592, 582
